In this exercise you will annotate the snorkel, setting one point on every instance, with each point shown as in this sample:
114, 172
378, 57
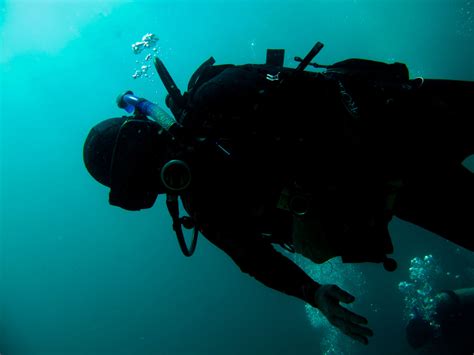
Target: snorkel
129, 102
175, 175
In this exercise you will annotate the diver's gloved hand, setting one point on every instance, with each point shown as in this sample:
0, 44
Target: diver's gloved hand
327, 299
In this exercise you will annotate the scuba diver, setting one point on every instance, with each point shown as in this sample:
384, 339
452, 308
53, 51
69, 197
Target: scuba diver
317, 162
451, 329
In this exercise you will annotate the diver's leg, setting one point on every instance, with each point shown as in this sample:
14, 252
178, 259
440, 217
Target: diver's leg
442, 202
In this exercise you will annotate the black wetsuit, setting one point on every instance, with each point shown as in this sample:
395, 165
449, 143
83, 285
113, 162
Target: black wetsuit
282, 127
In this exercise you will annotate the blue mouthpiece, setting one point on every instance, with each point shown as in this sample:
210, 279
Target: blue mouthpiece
129, 102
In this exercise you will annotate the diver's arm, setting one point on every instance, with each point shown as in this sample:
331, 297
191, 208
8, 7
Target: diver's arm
261, 261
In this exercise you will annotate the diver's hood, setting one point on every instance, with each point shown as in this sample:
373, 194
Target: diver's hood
127, 154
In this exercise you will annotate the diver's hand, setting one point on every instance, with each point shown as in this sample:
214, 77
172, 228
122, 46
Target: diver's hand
327, 299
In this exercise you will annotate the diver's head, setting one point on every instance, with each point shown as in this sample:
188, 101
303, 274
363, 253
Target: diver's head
133, 157
99, 148
419, 332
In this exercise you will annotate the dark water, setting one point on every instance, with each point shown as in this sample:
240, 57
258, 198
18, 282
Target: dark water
80, 277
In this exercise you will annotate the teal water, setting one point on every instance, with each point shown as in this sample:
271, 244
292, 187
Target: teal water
80, 277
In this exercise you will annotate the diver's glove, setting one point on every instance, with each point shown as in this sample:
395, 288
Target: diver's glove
327, 298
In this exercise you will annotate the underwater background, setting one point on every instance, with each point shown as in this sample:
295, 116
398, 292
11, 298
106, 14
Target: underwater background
78, 276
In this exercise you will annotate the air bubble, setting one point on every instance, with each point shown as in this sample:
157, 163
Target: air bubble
146, 46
